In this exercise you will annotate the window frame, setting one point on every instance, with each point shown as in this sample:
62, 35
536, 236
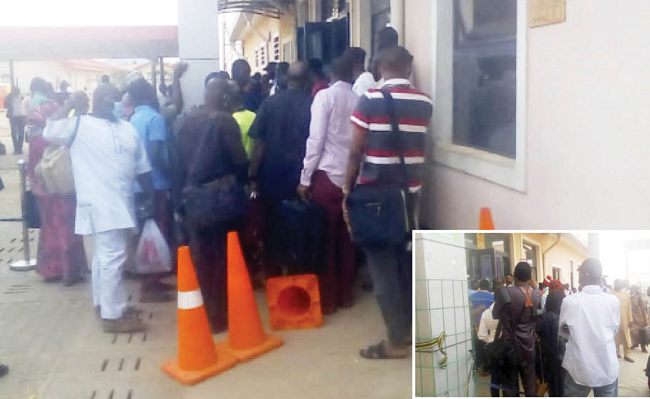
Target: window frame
483, 164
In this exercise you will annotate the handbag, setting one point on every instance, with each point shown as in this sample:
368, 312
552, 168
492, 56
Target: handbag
220, 200
378, 213
32, 214
54, 169
301, 236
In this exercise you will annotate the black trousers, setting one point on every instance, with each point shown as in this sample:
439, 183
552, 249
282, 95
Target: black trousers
526, 370
17, 124
495, 378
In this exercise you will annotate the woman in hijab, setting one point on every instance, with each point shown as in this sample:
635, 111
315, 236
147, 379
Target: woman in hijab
552, 350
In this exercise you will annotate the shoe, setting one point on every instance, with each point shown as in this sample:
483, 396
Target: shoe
155, 297
129, 310
3, 370
644, 350
126, 324
156, 286
634, 346
628, 359
618, 356
73, 281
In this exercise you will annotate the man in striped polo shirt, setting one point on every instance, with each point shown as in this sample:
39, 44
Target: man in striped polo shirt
375, 159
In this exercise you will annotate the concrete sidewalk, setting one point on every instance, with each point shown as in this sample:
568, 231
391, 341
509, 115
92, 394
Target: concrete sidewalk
632, 381
55, 347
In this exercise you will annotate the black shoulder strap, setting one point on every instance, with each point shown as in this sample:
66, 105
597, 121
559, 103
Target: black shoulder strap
397, 135
74, 134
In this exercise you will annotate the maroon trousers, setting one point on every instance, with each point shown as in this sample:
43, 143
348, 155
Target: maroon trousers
337, 279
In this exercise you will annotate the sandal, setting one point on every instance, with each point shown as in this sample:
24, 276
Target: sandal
378, 352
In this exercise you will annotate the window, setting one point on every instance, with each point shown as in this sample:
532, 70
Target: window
327, 8
257, 58
480, 96
485, 52
557, 273
276, 48
263, 60
287, 52
530, 252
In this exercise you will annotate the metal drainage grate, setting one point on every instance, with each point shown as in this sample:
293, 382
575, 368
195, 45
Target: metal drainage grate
18, 289
111, 395
122, 365
131, 337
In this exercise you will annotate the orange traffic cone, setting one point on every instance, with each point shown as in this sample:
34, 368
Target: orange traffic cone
246, 336
198, 358
485, 220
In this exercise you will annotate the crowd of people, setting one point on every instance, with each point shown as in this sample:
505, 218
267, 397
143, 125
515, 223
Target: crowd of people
303, 131
557, 339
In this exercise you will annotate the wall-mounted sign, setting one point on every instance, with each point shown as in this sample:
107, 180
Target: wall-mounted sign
480, 241
546, 12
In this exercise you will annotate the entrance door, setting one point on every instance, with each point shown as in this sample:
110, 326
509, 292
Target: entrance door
324, 40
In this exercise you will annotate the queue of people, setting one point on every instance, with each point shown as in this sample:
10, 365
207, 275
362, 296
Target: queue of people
553, 341
324, 134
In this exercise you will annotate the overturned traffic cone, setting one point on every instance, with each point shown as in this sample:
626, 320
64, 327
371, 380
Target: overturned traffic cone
294, 302
246, 336
198, 358
485, 220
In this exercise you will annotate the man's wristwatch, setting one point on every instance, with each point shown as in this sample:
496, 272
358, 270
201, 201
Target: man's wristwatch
345, 190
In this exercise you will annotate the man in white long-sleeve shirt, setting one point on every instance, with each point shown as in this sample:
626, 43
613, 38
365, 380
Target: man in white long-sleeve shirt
107, 157
590, 320
323, 175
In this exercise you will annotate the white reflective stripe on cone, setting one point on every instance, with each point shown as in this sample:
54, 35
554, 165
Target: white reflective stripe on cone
190, 299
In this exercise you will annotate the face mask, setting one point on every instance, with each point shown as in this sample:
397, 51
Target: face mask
118, 110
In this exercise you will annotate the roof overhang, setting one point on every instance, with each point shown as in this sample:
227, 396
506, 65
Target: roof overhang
60, 43
267, 8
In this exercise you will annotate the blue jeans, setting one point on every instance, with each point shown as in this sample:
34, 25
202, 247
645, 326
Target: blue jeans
572, 388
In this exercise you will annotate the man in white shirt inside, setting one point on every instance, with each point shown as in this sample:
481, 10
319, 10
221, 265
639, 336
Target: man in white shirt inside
107, 157
590, 320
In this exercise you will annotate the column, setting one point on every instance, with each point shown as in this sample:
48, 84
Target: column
593, 245
198, 45
397, 18
361, 25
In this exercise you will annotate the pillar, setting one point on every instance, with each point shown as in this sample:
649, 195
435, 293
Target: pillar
593, 245
11, 74
397, 18
198, 46
361, 25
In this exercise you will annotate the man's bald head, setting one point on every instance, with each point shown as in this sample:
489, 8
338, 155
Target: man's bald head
298, 75
216, 94
104, 101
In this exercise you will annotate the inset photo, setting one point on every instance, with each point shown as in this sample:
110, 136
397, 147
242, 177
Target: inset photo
532, 314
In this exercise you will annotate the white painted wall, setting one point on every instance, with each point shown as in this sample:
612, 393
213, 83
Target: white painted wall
587, 125
198, 45
441, 282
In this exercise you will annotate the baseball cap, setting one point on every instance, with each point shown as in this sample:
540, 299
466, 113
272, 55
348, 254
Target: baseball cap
591, 267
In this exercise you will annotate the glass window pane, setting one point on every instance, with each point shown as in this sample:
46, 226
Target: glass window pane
485, 52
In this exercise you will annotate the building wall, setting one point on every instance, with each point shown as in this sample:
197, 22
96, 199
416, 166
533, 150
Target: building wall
588, 93
560, 256
262, 34
53, 72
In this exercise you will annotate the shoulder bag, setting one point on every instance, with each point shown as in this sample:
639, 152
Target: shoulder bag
54, 169
505, 351
218, 201
378, 213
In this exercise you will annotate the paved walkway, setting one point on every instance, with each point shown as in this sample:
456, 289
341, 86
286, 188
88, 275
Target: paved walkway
632, 380
53, 342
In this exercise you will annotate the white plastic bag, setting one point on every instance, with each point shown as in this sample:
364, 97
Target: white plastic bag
153, 254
